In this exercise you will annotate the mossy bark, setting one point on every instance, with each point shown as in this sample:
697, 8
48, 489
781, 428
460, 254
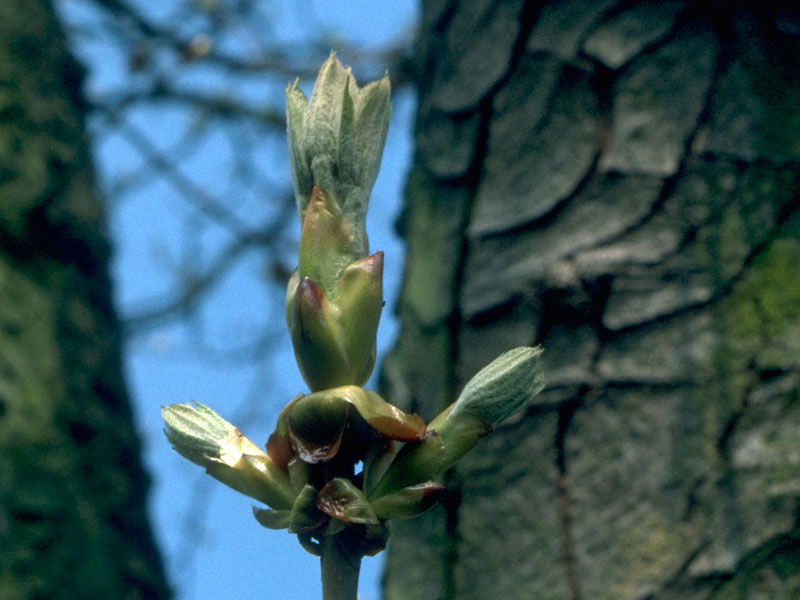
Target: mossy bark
72, 490
618, 182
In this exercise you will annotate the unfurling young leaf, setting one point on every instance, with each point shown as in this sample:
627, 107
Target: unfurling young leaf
336, 138
208, 440
497, 391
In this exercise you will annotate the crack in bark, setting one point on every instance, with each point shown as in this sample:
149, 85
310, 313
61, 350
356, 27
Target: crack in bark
723, 290
453, 500
471, 178
723, 441
566, 412
679, 575
451, 505
565, 415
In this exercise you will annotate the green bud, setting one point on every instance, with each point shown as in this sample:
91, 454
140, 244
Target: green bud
206, 439
299, 472
375, 539
495, 393
317, 338
305, 515
388, 420
312, 425
408, 502
376, 461
273, 519
336, 139
327, 242
359, 297
502, 387
334, 337
342, 500
333, 304
316, 425
442, 447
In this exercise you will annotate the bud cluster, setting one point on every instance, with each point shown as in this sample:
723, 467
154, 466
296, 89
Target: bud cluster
308, 478
332, 305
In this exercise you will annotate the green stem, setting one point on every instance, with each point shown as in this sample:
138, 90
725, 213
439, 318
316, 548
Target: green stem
341, 563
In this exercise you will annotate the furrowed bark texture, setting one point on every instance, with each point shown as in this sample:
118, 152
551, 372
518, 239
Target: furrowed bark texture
72, 490
618, 182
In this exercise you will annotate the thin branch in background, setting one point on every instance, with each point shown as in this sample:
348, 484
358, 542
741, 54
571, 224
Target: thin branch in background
194, 287
219, 106
126, 183
269, 59
207, 204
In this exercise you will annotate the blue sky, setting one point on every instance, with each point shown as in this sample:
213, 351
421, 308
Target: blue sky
231, 555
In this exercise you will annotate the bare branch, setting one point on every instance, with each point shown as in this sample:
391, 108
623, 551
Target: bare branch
207, 204
184, 301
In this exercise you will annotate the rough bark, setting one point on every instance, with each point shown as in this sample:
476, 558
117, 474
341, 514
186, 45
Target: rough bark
72, 489
618, 182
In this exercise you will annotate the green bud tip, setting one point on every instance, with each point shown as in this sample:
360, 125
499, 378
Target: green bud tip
202, 436
336, 138
328, 243
502, 387
334, 335
497, 391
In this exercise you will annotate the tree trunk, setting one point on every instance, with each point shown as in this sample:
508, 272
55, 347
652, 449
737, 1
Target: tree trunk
619, 183
72, 489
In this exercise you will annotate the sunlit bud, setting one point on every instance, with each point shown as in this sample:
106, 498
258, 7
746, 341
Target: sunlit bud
313, 425
319, 342
334, 336
336, 138
334, 302
502, 387
316, 425
206, 439
328, 243
408, 502
497, 391
359, 297
342, 500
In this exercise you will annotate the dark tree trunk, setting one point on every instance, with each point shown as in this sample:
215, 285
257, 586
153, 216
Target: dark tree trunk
72, 489
618, 182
